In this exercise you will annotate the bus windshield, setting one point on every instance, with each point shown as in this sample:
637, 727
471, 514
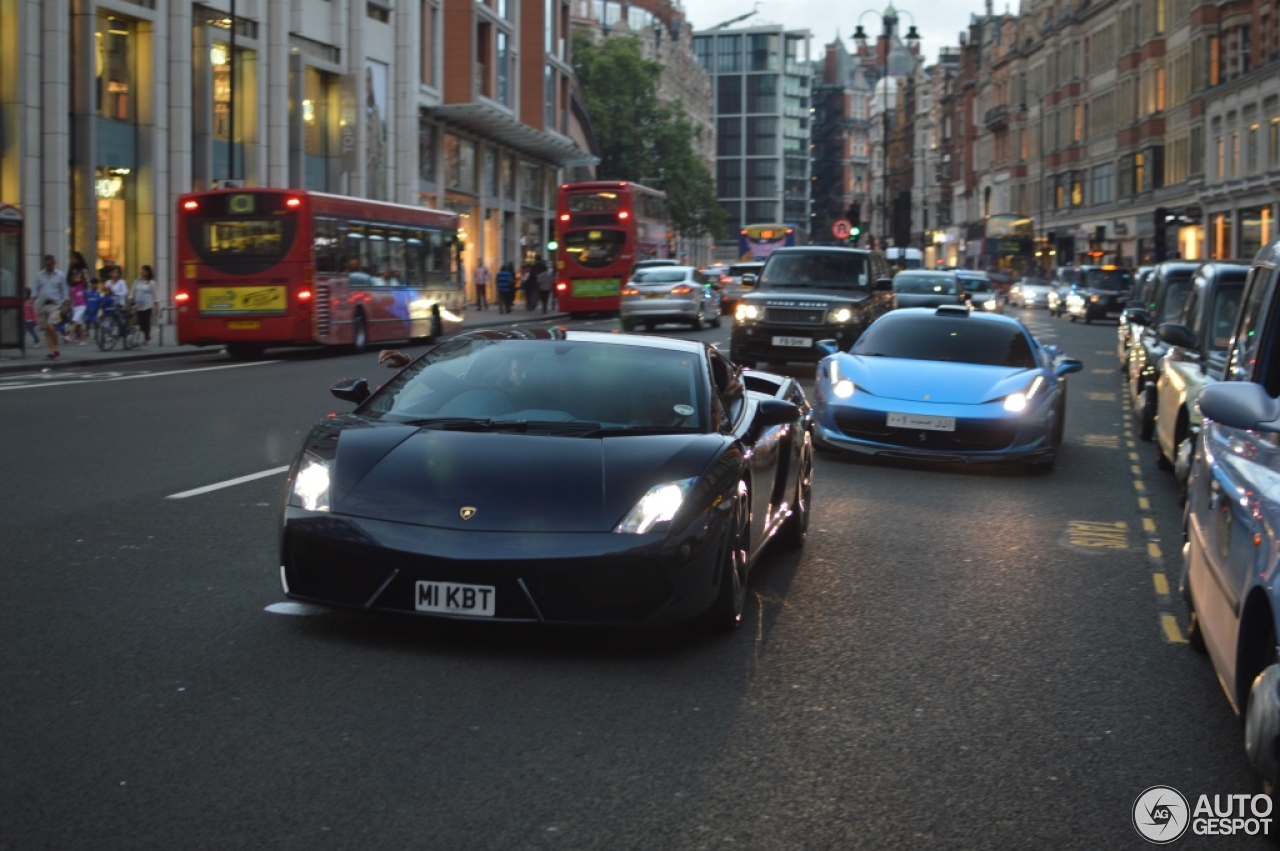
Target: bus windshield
595, 249
594, 202
231, 238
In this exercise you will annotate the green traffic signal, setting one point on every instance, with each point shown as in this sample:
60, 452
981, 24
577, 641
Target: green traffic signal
552, 244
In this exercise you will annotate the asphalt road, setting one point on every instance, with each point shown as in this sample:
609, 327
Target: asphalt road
960, 658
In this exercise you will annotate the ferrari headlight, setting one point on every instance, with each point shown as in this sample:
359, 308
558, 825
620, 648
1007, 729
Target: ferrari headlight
840, 315
655, 509
746, 313
311, 484
1018, 402
841, 387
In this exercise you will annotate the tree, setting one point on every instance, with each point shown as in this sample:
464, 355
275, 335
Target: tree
642, 139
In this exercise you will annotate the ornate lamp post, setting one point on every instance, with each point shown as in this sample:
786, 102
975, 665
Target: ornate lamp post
889, 20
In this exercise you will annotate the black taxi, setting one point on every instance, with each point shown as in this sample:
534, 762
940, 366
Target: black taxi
808, 294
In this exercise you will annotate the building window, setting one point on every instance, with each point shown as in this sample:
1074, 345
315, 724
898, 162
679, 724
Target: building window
729, 137
1250, 232
702, 46
1235, 154
1273, 144
503, 69
1221, 158
728, 95
509, 177
316, 105
762, 136
426, 48
728, 53
378, 13
548, 98
762, 178
114, 44
762, 93
1103, 185
459, 163
1077, 188
1077, 123
762, 211
531, 184
426, 150
490, 172
729, 178
764, 52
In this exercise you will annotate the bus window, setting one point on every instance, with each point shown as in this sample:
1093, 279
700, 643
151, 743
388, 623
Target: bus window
376, 255
325, 242
594, 248
415, 257
395, 260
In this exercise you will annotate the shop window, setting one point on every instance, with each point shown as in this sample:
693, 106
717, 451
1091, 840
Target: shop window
114, 48
317, 95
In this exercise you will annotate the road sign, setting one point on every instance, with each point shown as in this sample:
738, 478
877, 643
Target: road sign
840, 228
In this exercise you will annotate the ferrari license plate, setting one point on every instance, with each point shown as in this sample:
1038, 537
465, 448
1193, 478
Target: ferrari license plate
244, 324
922, 422
794, 342
454, 599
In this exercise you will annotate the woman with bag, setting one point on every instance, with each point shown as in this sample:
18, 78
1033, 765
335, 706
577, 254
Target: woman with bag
144, 301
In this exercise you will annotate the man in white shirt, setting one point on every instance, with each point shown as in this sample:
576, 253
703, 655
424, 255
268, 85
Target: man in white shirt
481, 281
51, 295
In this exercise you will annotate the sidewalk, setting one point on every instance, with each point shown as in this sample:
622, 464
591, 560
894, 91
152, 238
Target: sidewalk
163, 346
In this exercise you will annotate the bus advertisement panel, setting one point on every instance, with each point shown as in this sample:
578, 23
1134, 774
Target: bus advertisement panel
757, 242
272, 267
604, 229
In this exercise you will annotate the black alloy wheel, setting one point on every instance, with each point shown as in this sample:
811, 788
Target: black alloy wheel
1147, 413
725, 614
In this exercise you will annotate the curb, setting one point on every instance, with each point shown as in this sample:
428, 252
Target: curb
32, 363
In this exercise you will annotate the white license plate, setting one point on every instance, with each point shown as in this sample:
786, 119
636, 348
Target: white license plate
923, 422
796, 342
454, 599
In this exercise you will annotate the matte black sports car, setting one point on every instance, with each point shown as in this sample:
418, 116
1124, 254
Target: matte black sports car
552, 477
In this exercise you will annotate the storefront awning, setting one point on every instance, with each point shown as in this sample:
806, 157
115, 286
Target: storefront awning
504, 128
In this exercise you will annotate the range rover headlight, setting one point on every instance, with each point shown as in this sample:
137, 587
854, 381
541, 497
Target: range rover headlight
746, 313
656, 509
840, 315
310, 488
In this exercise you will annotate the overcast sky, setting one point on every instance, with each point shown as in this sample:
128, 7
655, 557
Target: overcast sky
939, 23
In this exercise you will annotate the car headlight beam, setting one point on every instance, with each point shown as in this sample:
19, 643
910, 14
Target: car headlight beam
1017, 402
841, 387
746, 313
840, 315
311, 483
656, 509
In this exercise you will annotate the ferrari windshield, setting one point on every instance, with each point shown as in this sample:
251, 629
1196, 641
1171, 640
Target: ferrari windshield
959, 339
547, 382
816, 270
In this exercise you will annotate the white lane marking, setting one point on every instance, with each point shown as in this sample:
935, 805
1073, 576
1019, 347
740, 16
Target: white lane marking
295, 609
55, 383
228, 483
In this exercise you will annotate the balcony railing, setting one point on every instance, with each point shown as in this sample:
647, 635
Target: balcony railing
997, 116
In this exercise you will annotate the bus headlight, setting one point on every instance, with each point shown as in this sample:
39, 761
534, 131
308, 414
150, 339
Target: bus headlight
746, 313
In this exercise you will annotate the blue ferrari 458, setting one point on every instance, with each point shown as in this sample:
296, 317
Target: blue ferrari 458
945, 384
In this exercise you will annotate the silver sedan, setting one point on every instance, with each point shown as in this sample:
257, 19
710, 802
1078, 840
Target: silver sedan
669, 294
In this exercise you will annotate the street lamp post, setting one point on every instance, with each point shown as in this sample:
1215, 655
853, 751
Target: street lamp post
888, 20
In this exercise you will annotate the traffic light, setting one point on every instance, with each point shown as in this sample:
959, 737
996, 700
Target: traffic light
552, 243
855, 222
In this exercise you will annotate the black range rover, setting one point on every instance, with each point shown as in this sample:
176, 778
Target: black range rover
805, 295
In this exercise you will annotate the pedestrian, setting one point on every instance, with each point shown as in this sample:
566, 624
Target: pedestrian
51, 296
481, 280
530, 283
92, 304
546, 283
29, 317
116, 284
506, 284
144, 301
79, 282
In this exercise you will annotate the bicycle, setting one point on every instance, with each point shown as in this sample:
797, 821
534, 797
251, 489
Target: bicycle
118, 326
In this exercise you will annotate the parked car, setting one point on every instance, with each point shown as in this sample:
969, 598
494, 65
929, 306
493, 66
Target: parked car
1197, 354
921, 288
981, 292
550, 477
1100, 293
1127, 332
1030, 293
1164, 297
805, 295
945, 383
1233, 521
659, 295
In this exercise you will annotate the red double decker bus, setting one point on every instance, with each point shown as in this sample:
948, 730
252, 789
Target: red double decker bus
604, 228
272, 267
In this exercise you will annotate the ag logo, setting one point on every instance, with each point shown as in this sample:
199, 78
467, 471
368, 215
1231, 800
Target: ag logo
1161, 814
467, 512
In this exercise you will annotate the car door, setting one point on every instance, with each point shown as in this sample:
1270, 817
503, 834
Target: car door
1235, 468
764, 445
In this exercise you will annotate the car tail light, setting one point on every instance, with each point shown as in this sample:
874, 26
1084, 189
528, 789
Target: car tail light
630, 291
683, 289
